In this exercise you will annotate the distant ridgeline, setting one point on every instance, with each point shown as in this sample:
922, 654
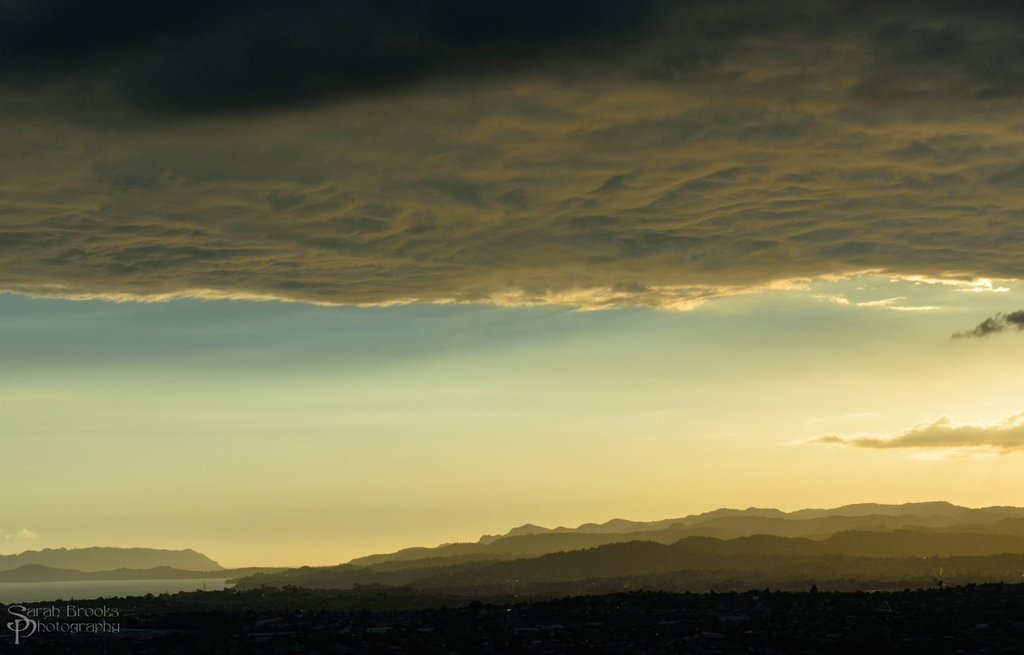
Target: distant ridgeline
100, 559
81, 564
850, 547
76, 564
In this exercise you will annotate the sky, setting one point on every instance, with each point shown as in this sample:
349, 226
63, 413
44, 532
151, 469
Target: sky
290, 283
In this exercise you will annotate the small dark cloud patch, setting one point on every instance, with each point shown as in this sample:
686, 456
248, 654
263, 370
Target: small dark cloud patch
1001, 322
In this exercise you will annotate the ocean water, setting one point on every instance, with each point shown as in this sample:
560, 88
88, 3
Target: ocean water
31, 592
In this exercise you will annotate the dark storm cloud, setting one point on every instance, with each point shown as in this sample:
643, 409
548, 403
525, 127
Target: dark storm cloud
978, 55
221, 55
994, 324
187, 56
584, 152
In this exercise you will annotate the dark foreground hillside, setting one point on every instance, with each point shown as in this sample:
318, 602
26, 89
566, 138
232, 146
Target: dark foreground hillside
847, 561
970, 619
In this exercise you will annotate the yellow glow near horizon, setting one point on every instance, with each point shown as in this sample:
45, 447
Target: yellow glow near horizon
270, 434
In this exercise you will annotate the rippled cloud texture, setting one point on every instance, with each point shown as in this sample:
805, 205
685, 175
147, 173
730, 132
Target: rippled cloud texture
593, 154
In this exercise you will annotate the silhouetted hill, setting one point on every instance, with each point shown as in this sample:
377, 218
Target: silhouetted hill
969, 619
103, 558
937, 511
949, 511
623, 526
531, 540
696, 562
40, 573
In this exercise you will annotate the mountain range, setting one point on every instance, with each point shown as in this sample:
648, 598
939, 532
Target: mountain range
105, 558
531, 540
857, 545
102, 563
40, 573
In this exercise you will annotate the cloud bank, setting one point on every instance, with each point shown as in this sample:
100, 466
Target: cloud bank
593, 154
994, 324
1006, 436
